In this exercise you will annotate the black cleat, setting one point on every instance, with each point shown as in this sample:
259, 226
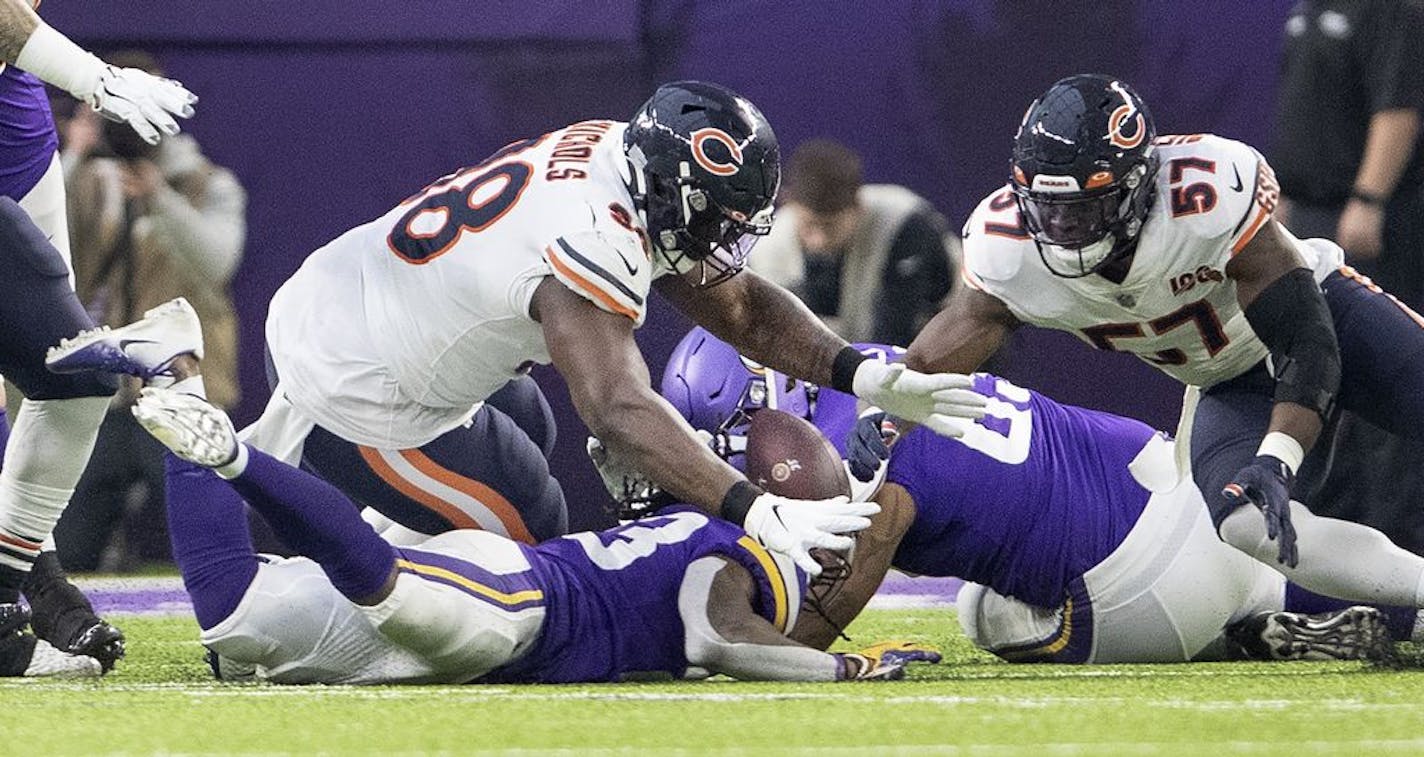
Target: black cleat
64, 618
21, 654
1354, 633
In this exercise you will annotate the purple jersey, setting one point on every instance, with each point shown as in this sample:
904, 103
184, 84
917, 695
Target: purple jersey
27, 136
1031, 497
611, 597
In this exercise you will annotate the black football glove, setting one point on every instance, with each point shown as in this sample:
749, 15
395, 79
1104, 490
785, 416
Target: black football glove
1266, 483
868, 446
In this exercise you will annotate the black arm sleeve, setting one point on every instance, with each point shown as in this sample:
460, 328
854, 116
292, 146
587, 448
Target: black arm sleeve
915, 281
1291, 317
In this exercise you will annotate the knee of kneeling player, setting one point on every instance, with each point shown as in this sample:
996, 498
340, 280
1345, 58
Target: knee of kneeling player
1245, 529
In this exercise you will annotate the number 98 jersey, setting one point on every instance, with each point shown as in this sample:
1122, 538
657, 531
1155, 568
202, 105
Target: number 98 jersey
392, 333
1176, 309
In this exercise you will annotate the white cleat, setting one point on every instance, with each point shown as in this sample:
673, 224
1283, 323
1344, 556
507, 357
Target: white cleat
145, 348
49, 662
195, 430
22, 654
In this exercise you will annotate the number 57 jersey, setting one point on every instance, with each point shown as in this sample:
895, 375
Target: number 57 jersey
1176, 309
392, 333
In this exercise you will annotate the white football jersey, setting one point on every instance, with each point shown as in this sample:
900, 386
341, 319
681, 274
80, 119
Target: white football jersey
1176, 309
392, 333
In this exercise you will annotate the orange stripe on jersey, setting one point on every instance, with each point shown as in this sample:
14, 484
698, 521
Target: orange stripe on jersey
455, 516
497, 504
602, 296
30, 546
1250, 233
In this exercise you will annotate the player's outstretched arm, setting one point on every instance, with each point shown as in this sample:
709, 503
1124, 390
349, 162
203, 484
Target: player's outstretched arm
1287, 311
146, 102
874, 550
609, 383
769, 325
961, 337
610, 387
725, 635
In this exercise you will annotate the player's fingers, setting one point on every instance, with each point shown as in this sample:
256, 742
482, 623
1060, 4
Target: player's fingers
145, 130
939, 382
843, 506
946, 426
1290, 553
860, 471
806, 562
959, 397
176, 99
835, 542
159, 117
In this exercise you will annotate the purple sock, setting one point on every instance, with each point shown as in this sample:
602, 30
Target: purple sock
207, 523
1399, 620
317, 520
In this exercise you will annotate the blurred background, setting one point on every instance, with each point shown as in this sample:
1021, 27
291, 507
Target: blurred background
329, 112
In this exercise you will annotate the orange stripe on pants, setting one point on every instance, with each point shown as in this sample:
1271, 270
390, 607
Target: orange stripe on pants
501, 507
455, 516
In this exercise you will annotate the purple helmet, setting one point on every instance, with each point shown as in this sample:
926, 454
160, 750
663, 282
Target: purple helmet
716, 389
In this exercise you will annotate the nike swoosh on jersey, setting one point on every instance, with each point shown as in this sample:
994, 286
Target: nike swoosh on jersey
632, 269
1239, 186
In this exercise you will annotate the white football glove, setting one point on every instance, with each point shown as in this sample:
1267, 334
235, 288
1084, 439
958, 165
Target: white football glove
145, 102
942, 401
794, 526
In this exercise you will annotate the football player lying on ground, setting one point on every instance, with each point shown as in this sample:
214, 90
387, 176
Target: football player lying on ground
680, 594
1082, 543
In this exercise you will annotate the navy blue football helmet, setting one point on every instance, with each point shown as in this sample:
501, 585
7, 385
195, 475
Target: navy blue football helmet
705, 169
1083, 171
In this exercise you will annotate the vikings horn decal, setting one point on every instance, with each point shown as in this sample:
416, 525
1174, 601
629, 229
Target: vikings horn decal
699, 152
1119, 119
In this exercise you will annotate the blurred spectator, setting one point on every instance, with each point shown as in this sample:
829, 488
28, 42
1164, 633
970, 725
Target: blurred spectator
874, 261
149, 223
1347, 156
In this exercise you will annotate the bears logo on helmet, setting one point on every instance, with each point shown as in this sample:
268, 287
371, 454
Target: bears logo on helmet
705, 170
1083, 170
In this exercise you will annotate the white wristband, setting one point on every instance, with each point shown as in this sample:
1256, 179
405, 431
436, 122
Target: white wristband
1283, 447
54, 59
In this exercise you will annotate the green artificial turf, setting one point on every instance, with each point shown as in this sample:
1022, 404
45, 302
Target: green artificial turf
161, 700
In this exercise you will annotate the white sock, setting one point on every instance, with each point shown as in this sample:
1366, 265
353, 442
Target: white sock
1338, 558
49, 447
236, 467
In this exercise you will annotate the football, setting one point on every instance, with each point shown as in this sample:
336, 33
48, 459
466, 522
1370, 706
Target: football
789, 457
